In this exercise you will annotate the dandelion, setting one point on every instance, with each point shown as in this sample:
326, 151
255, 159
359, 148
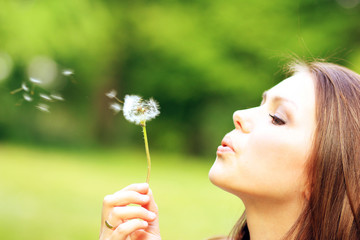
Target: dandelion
138, 111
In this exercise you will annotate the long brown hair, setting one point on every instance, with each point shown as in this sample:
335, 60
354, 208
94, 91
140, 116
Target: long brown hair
333, 209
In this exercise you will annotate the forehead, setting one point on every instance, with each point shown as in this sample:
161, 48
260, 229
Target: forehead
298, 88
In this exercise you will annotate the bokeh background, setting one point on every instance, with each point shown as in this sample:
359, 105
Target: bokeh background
200, 59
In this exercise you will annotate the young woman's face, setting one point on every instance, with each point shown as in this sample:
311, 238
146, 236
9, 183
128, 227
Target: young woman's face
265, 155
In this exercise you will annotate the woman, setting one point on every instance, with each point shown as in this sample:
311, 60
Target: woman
294, 161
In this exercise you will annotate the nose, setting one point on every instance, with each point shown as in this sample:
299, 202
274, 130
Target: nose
243, 120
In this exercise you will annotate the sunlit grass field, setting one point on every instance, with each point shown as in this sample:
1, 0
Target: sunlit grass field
56, 194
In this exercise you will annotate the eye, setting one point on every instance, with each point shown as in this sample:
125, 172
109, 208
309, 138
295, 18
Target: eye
276, 120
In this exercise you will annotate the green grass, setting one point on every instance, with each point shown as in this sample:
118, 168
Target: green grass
57, 194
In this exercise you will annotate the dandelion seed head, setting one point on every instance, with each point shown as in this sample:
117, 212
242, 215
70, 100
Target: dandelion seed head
45, 97
138, 111
27, 97
115, 107
43, 107
111, 94
35, 80
67, 72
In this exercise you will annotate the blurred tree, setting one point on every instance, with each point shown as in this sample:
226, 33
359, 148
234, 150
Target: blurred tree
200, 59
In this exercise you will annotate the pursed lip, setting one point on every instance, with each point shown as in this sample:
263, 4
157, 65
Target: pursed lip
226, 145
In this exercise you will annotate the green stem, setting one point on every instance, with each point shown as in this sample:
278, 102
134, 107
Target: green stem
143, 125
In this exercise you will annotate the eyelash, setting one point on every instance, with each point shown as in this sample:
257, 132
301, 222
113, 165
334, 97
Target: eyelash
276, 120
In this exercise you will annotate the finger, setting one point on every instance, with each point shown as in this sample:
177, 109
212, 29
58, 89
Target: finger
128, 194
118, 214
151, 204
123, 198
126, 228
132, 194
137, 187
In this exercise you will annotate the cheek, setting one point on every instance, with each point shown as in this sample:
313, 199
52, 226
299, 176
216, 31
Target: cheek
272, 164
284, 150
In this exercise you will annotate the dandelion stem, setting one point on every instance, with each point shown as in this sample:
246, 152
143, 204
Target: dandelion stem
143, 125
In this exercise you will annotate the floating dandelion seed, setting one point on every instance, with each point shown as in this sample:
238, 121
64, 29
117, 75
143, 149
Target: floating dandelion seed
115, 107
138, 111
111, 94
27, 97
32, 92
45, 97
35, 81
43, 107
57, 97
68, 72
24, 87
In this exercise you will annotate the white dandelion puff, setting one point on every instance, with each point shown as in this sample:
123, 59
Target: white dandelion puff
152, 109
24, 87
111, 94
43, 107
138, 111
115, 107
45, 97
35, 80
68, 72
27, 97
132, 109
57, 97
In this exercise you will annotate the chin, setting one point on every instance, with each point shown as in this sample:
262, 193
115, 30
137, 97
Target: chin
217, 174
220, 176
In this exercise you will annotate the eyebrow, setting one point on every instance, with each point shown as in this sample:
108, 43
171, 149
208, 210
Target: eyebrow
278, 99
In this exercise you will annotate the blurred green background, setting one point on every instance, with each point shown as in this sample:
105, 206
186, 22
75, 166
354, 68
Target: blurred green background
200, 59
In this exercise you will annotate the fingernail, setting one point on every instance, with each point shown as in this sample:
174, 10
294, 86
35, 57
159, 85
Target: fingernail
145, 224
152, 215
145, 198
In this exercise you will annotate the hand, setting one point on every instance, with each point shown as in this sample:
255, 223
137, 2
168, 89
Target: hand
139, 222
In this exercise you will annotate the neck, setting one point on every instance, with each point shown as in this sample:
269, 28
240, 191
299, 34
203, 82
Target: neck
271, 220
